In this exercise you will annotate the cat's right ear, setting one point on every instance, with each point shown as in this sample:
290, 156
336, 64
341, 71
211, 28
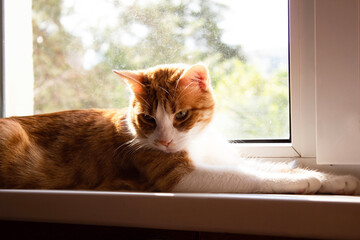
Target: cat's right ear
133, 79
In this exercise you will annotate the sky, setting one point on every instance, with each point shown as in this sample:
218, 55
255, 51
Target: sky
256, 25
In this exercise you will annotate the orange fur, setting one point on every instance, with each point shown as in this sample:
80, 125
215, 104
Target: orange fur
98, 149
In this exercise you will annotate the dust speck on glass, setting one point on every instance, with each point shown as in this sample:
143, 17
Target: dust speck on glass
243, 42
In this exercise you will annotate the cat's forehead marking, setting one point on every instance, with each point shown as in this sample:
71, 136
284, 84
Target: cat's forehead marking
162, 88
163, 116
164, 122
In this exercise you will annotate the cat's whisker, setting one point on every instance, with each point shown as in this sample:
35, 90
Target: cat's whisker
124, 144
174, 93
176, 86
146, 102
184, 89
164, 90
190, 92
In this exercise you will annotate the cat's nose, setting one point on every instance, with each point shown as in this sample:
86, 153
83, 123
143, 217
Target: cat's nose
164, 142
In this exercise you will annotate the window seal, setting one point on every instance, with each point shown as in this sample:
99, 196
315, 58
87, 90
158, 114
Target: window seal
277, 140
261, 141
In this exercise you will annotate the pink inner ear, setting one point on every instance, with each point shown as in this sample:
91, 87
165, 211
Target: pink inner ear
196, 74
201, 79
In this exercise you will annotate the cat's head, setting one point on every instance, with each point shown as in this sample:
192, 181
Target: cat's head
170, 104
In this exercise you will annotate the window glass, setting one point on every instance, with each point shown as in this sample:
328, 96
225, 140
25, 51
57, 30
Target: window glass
244, 43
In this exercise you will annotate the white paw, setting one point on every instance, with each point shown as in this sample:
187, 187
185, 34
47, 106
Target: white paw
340, 185
300, 185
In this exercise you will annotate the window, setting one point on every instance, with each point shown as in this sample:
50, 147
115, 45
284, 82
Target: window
246, 49
19, 49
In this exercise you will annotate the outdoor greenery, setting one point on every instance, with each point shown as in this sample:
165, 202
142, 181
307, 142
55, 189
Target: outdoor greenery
143, 34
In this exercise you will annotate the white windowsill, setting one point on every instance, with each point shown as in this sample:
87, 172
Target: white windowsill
313, 216
267, 150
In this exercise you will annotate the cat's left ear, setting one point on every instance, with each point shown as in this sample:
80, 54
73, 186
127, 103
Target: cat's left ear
133, 78
196, 75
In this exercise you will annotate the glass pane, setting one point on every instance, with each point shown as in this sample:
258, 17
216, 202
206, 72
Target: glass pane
243, 42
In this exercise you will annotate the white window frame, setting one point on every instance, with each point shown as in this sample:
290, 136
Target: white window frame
302, 77
18, 66
302, 90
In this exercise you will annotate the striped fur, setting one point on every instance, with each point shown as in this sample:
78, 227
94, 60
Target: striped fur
110, 149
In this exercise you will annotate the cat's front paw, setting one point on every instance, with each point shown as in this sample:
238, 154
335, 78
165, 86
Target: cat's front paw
340, 185
300, 185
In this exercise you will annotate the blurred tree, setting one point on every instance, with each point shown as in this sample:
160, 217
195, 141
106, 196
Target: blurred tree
209, 33
61, 82
51, 43
250, 105
168, 31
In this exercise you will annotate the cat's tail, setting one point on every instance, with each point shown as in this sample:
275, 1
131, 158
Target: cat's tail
15, 147
14, 141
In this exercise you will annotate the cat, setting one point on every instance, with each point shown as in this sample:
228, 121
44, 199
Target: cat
164, 141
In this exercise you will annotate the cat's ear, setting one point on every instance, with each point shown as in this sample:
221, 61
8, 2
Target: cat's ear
196, 75
133, 78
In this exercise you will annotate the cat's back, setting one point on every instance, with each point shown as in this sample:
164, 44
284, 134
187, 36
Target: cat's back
51, 129
58, 125
59, 140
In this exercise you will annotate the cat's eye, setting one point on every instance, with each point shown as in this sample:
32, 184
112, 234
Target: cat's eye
147, 118
181, 115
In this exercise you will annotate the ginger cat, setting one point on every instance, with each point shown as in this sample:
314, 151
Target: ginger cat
162, 142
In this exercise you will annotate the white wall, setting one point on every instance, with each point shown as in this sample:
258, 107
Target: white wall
18, 67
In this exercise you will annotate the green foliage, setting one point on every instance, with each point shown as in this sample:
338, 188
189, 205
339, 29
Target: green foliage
147, 33
250, 105
61, 82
